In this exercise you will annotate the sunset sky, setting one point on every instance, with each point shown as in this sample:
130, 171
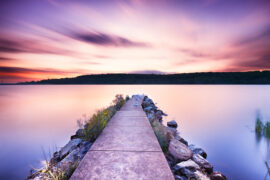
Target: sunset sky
42, 39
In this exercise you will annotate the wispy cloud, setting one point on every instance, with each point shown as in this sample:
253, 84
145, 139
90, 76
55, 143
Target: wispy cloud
263, 35
5, 69
102, 39
252, 52
28, 46
193, 53
3, 58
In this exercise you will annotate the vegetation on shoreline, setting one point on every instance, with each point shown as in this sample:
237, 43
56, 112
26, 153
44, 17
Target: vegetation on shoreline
262, 128
99, 120
162, 135
252, 77
161, 132
57, 168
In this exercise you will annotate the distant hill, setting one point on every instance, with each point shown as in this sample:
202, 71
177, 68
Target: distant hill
254, 77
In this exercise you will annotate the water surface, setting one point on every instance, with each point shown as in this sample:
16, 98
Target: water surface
218, 118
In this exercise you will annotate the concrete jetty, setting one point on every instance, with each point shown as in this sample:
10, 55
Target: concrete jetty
127, 149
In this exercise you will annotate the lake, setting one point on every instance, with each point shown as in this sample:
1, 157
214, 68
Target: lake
218, 118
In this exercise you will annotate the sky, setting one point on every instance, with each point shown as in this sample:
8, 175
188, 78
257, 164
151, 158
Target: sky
41, 39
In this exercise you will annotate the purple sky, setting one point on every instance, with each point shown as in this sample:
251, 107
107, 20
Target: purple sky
42, 39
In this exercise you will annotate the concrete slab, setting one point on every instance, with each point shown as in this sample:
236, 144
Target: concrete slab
118, 165
129, 121
127, 139
138, 113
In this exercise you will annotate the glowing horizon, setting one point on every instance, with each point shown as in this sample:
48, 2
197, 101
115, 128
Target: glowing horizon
66, 38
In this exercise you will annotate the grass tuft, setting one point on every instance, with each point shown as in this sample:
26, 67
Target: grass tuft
267, 129
99, 120
259, 125
162, 135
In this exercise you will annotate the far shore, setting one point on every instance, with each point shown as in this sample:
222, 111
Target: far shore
203, 78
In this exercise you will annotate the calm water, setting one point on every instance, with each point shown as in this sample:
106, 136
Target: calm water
218, 118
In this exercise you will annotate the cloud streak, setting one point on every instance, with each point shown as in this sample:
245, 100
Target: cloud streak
5, 69
102, 39
252, 52
28, 46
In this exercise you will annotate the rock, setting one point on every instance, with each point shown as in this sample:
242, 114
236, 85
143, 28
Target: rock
71, 157
170, 160
148, 109
217, 176
158, 115
179, 138
71, 145
79, 133
179, 151
201, 176
73, 137
189, 164
147, 102
176, 177
197, 150
85, 147
188, 173
56, 158
203, 163
172, 130
150, 116
172, 124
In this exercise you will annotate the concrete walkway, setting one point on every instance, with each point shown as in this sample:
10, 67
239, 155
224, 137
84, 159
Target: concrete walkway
126, 149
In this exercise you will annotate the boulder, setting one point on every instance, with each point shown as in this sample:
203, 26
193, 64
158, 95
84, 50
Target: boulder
217, 176
176, 177
71, 145
150, 116
147, 102
179, 151
203, 163
56, 158
148, 109
201, 176
172, 130
71, 157
189, 164
197, 150
170, 160
79, 133
172, 124
179, 138
187, 173
85, 147
158, 115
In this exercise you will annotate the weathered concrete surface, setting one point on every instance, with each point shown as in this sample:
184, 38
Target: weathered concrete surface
126, 149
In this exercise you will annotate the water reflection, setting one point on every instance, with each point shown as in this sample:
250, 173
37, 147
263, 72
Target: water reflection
213, 117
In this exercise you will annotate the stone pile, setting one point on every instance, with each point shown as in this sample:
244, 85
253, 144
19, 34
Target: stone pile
66, 159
